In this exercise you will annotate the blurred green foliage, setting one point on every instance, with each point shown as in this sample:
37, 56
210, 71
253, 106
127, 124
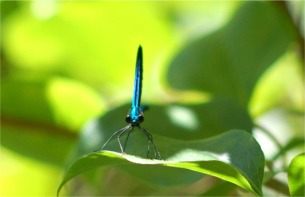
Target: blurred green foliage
209, 67
296, 175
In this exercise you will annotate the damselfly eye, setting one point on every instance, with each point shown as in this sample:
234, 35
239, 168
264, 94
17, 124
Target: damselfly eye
128, 119
141, 118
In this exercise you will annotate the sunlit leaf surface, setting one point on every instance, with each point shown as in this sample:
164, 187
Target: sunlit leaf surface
296, 176
229, 156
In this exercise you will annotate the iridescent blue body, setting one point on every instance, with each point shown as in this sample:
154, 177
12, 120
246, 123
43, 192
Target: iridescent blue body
135, 115
137, 91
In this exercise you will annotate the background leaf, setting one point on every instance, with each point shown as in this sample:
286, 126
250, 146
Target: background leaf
228, 62
36, 115
296, 175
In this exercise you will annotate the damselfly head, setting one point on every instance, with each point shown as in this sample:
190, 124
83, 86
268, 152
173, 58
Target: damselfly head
135, 116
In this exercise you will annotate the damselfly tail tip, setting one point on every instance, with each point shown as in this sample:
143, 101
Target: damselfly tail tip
140, 50
140, 56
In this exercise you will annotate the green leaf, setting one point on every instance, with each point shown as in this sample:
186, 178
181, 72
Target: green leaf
271, 90
234, 156
36, 115
222, 189
197, 121
184, 122
77, 44
296, 176
229, 62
